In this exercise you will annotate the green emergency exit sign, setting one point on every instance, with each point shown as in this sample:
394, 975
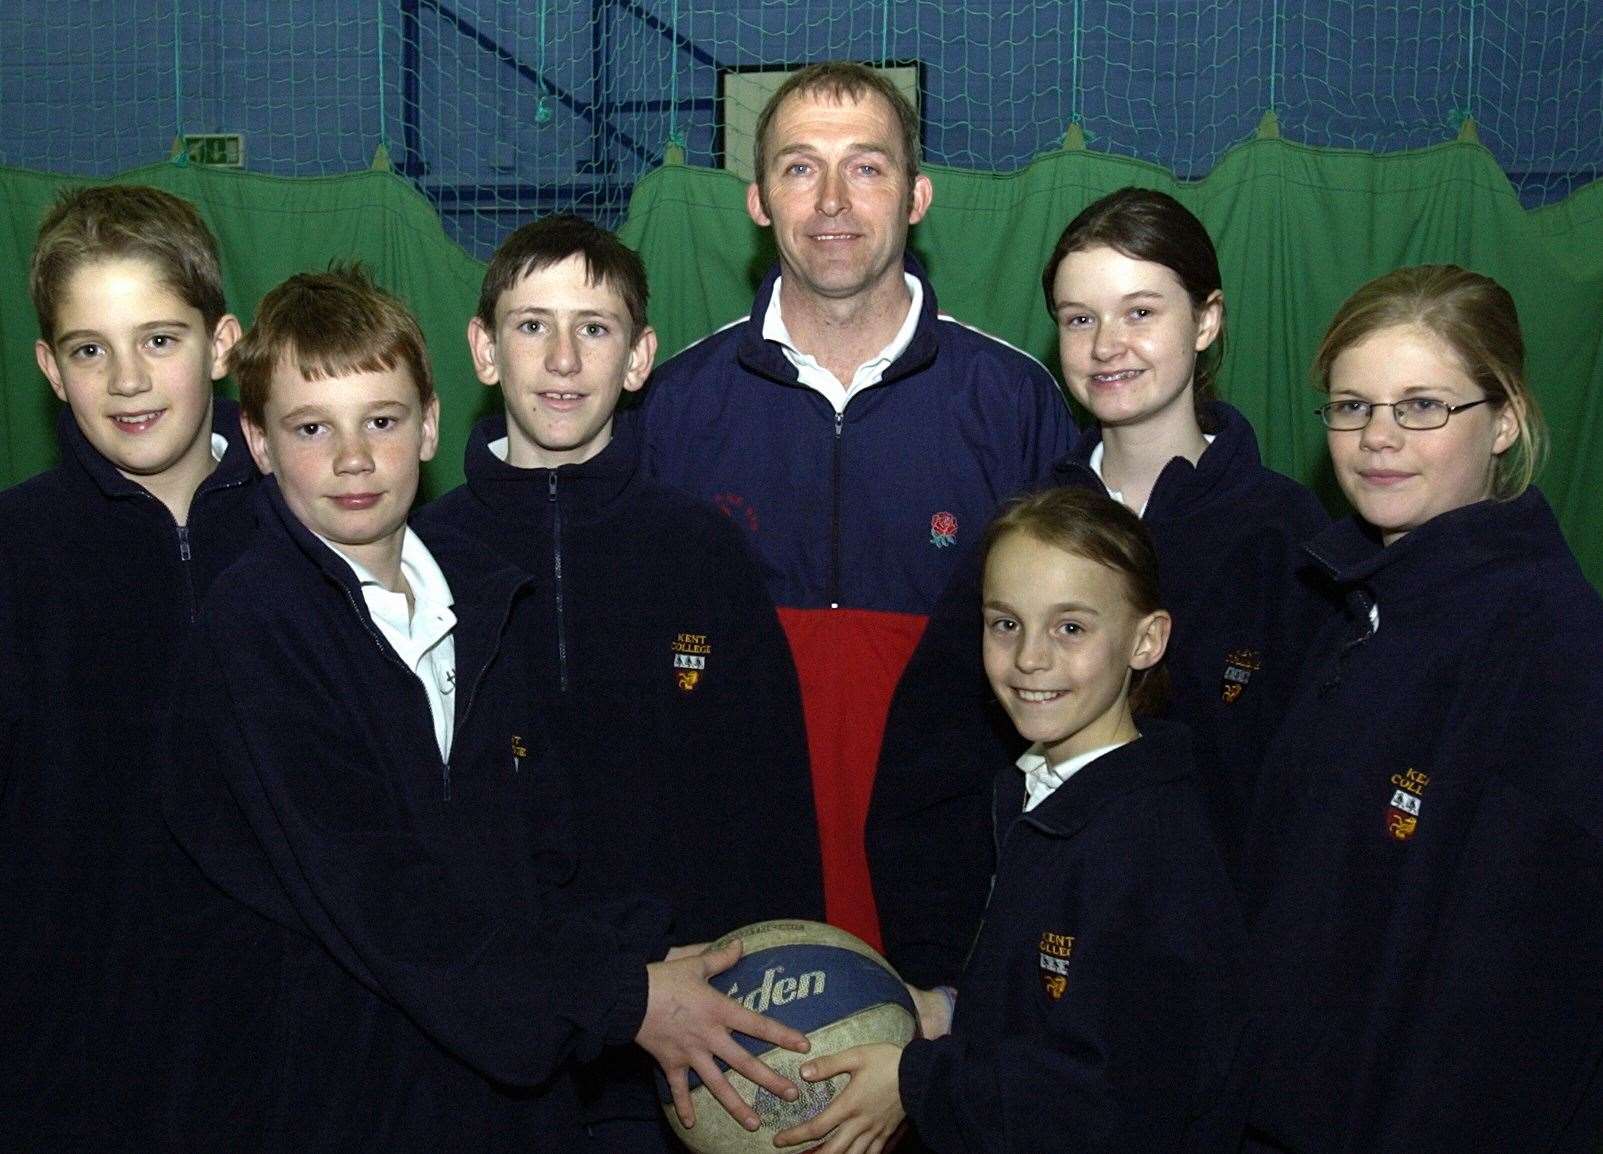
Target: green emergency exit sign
218, 149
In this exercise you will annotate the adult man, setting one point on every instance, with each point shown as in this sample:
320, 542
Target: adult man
851, 429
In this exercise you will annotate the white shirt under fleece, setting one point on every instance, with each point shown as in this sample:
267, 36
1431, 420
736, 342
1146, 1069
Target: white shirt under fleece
422, 637
816, 377
1096, 467
1041, 777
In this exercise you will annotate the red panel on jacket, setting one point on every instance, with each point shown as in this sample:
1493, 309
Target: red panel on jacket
848, 662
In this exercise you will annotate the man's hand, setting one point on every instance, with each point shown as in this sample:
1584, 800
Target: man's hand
866, 1114
688, 1026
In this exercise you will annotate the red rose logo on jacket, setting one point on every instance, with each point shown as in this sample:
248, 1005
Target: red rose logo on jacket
736, 508
943, 530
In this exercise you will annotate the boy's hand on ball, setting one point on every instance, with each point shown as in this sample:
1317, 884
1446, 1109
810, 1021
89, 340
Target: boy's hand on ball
690, 951
865, 1116
689, 1024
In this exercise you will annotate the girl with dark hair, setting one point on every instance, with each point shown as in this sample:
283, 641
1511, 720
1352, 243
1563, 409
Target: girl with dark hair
1426, 874
1135, 288
1102, 1003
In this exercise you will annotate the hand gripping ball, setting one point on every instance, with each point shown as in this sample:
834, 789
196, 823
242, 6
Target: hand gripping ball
820, 980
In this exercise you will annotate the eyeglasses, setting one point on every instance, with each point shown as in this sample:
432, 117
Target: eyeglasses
1413, 413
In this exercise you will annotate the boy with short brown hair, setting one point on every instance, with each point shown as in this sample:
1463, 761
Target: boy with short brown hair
657, 653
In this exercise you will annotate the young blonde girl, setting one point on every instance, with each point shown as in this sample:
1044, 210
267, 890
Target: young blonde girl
1100, 1007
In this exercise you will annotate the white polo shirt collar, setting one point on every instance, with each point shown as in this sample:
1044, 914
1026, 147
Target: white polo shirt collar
421, 637
1041, 777
1095, 464
815, 376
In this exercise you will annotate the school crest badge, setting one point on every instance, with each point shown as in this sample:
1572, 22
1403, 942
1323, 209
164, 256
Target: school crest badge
690, 653
1402, 814
1240, 665
1053, 954
943, 530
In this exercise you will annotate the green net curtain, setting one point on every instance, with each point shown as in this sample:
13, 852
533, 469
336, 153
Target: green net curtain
267, 229
1297, 230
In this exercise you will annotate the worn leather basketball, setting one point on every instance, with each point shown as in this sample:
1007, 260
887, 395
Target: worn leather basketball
820, 980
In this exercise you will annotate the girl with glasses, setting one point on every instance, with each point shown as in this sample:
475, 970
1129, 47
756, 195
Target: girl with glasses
1426, 875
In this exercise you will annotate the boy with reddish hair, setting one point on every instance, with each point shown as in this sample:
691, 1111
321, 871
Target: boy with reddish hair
395, 960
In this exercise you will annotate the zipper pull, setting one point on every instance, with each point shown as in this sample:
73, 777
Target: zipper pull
551, 484
183, 543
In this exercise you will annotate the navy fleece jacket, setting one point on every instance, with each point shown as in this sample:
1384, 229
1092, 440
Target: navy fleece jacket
1104, 1003
668, 690
1426, 879
98, 586
393, 960
1227, 532
858, 517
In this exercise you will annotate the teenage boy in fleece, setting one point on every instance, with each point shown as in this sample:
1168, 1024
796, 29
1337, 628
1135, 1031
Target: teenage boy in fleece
659, 660
400, 963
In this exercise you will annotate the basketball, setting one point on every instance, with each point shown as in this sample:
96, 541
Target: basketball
820, 980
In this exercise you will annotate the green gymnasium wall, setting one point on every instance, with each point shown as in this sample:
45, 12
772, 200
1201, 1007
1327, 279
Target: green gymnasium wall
1297, 229
267, 228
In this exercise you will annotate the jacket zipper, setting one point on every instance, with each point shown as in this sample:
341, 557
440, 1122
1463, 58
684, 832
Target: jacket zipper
185, 555
998, 842
186, 552
556, 554
1360, 600
834, 520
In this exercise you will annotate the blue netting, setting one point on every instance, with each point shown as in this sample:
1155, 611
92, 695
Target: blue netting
500, 111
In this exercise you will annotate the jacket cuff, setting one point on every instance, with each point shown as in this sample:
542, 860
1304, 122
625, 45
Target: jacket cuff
628, 1010
913, 1074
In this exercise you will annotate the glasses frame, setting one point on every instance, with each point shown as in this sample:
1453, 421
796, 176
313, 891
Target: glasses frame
1323, 413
